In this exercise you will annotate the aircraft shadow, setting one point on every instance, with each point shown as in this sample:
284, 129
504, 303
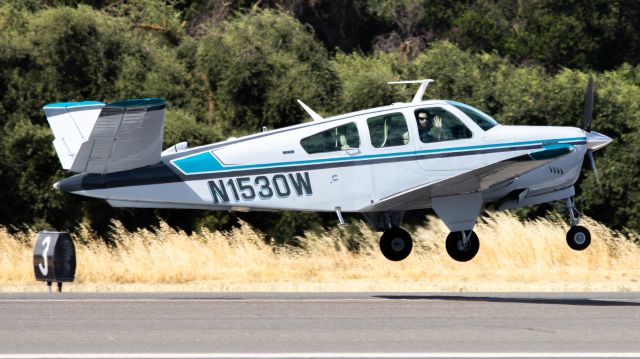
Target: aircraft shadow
553, 301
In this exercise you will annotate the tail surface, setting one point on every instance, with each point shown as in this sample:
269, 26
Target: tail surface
94, 137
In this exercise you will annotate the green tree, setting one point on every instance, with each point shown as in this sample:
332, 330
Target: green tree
182, 126
66, 54
364, 81
229, 68
257, 64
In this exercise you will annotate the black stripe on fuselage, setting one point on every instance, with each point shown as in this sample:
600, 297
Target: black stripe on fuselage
161, 173
156, 174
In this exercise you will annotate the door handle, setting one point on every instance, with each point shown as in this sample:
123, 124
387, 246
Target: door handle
352, 151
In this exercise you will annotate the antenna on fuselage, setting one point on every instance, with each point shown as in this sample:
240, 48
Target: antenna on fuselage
420, 93
311, 112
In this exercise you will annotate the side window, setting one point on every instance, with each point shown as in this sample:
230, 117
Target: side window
436, 124
388, 130
334, 139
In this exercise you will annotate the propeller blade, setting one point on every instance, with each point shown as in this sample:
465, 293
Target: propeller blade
588, 106
595, 170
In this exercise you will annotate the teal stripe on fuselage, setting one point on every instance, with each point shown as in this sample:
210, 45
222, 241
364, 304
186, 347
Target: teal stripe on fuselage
205, 162
200, 163
552, 151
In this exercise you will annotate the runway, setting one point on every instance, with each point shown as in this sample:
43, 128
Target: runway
329, 325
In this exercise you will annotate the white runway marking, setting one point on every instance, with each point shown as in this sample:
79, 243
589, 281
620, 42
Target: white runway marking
315, 355
276, 300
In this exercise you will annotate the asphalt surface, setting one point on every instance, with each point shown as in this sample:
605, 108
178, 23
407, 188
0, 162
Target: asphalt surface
165, 323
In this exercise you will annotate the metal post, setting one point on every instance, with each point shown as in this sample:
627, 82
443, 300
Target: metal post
465, 238
573, 220
342, 223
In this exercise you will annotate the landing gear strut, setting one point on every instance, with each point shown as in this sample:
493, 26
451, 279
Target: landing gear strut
462, 246
578, 237
396, 244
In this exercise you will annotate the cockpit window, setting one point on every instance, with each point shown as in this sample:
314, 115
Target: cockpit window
436, 124
483, 120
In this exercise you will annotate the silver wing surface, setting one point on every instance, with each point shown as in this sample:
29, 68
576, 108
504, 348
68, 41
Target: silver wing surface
476, 180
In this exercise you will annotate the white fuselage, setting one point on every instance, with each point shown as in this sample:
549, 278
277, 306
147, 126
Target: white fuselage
272, 171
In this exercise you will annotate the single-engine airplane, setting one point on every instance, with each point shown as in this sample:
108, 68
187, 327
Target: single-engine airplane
380, 162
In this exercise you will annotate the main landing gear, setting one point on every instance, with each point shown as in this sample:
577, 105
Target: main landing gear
396, 244
462, 246
578, 237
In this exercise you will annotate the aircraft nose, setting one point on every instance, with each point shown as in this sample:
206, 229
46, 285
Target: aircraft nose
596, 141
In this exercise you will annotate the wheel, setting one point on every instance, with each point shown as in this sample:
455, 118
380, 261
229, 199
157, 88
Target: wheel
578, 238
396, 244
460, 251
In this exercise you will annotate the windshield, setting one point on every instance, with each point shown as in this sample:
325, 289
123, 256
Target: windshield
483, 120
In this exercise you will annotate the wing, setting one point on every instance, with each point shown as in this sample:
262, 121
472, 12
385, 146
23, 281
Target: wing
475, 180
126, 135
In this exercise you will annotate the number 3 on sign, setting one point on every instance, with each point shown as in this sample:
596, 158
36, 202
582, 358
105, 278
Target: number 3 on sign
44, 269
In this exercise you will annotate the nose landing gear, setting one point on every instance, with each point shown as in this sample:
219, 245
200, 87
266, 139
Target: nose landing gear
578, 237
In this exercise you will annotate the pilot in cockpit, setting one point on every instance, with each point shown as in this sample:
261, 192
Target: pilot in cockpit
424, 127
430, 128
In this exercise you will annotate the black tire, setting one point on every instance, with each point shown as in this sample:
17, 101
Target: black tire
578, 238
456, 250
396, 244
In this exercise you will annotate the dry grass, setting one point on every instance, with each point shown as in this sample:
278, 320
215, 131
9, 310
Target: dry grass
514, 256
